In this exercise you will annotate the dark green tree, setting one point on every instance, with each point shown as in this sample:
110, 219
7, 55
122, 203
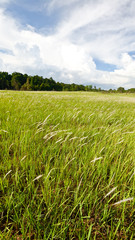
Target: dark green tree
5, 80
18, 79
120, 90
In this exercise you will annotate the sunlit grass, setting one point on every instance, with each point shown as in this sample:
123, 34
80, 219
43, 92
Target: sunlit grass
67, 165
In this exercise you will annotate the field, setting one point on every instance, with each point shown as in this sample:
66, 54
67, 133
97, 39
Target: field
67, 165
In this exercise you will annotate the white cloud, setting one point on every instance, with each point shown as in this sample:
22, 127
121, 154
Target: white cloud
81, 16
53, 4
127, 70
93, 29
4, 1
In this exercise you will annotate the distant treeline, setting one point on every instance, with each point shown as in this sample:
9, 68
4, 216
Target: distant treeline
19, 81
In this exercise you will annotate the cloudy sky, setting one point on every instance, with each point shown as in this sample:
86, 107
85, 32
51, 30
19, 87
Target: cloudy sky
85, 42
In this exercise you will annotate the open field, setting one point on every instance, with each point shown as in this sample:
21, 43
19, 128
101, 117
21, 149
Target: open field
67, 165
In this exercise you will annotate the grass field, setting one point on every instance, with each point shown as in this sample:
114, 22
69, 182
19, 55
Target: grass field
67, 165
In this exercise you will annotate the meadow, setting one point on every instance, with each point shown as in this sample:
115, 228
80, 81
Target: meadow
67, 165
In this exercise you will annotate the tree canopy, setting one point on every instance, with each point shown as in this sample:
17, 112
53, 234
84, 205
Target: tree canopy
19, 81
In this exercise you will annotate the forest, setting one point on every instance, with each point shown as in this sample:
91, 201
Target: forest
24, 82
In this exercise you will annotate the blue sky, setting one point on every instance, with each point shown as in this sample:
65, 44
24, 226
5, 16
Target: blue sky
85, 42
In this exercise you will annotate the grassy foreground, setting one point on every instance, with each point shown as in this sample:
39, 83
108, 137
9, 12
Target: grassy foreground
67, 165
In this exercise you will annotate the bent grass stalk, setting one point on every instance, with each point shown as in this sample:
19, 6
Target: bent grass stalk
123, 201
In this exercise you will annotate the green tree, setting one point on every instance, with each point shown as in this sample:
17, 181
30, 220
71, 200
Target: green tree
26, 86
120, 90
5, 80
88, 88
131, 90
17, 80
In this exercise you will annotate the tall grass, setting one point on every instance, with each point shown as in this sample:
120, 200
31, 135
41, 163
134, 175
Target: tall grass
67, 164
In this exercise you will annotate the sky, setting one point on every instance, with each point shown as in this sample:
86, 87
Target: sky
72, 41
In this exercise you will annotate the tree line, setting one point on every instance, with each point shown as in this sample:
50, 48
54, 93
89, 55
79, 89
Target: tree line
19, 81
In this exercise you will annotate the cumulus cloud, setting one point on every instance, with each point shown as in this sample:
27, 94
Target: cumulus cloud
90, 29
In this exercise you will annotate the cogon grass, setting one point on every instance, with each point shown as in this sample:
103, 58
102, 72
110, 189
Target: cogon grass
67, 165
122, 201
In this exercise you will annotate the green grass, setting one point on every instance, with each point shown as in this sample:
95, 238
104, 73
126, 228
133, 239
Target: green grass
67, 160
